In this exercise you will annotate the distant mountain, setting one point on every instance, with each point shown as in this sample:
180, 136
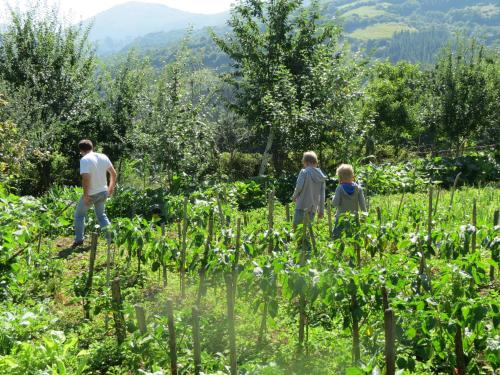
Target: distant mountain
118, 26
413, 30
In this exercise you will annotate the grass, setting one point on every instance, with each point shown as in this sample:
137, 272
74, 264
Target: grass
366, 12
380, 31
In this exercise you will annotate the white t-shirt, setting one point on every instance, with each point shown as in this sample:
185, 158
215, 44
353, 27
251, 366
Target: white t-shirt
96, 165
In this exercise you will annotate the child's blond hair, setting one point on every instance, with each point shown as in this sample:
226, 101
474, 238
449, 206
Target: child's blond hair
310, 157
345, 172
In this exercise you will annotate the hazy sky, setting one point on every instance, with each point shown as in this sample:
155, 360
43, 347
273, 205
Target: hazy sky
81, 9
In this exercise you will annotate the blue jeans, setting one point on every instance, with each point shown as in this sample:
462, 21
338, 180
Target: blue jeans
99, 202
299, 216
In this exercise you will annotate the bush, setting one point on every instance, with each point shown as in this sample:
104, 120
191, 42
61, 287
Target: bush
239, 165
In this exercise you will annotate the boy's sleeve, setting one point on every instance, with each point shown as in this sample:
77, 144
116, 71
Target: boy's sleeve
300, 184
321, 208
361, 199
336, 198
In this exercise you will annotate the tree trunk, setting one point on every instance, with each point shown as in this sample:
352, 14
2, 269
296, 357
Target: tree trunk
267, 152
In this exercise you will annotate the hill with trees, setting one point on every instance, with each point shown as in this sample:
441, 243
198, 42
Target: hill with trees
412, 30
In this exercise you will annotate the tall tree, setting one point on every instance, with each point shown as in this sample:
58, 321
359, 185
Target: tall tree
281, 54
49, 71
461, 95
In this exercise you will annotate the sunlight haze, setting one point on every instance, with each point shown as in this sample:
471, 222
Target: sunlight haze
76, 9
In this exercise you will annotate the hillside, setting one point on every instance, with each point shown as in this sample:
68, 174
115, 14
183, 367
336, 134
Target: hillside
120, 25
413, 30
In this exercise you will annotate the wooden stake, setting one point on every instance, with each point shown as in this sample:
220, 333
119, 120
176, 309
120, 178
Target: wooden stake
302, 297
163, 265
230, 322
429, 222
400, 205
204, 261
356, 352
474, 224
116, 304
450, 210
385, 299
141, 318
390, 343
437, 202
196, 341
495, 223
459, 352
221, 212
88, 287
183, 248
270, 219
287, 212
330, 221
171, 337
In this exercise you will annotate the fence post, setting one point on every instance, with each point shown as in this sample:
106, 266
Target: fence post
356, 351
88, 286
459, 352
171, 337
183, 248
429, 222
196, 340
330, 222
270, 219
390, 345
302, 298
141, 318
230, 321
116, 303
495, 223
474, 224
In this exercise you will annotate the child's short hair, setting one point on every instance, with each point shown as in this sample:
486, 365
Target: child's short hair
310, 157
345, 172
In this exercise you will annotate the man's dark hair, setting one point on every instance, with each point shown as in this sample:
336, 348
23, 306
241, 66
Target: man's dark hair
85, 145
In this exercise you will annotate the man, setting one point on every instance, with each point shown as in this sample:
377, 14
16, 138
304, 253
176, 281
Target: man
94, 168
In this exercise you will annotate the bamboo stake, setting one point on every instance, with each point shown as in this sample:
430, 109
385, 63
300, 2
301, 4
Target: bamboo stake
453, 189
171, 337
400, 205
459, 352
141, 318
429, 222
270, 219
356, 352
116, 304
183, 248
302, 298
204, 261
88, 286
330, 222
474, 224
230, 292
196, 340
495, 223
390, 343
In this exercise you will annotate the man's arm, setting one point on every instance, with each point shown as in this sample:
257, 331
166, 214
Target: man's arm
86, 187
112, 180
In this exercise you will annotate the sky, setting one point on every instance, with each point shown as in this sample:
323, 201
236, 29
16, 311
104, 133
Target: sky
76, 10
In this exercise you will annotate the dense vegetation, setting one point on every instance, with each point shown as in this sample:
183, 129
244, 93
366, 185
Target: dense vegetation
203, 273
296, 311
292, 85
